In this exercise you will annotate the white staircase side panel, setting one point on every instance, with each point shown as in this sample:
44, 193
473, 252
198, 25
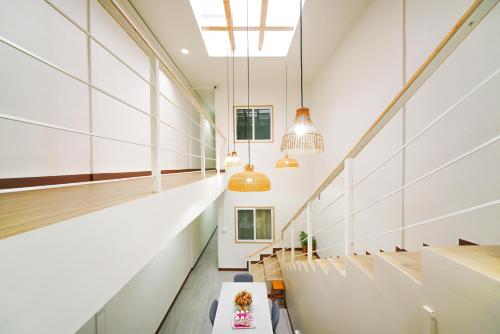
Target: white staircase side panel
400, 308
464, 300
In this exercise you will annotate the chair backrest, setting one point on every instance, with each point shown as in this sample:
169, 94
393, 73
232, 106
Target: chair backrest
243, 278
213, 311
275, 315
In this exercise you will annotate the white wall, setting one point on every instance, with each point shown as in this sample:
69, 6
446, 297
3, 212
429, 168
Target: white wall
80, 264
362, 76
141, 304
289, 188
32, 90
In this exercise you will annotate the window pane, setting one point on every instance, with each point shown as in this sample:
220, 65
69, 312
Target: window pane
245, 225
263, 224
262, 124
243, 118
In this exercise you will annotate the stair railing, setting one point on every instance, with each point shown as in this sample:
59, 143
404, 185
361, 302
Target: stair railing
210, 139
470, 19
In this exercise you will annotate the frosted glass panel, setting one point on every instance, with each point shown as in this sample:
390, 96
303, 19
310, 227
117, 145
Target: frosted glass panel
245, 225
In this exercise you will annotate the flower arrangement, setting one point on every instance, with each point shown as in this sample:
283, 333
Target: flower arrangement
243, 300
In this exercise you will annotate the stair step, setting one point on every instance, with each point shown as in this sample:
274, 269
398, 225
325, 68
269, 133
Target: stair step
364, 262
407, 262
257, 270
322, 264
483, 259
299, 256
272, 269
337, 263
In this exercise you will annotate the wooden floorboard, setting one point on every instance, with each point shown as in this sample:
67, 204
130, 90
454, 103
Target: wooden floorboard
23, 211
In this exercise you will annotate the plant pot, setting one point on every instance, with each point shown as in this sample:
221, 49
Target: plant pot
304, 249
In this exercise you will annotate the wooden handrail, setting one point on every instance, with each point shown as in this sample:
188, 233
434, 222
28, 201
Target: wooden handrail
469, 20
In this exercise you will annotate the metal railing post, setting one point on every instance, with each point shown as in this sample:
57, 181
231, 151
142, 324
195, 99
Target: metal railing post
154, 74
202, 145
217, 155
348, 207
309, 233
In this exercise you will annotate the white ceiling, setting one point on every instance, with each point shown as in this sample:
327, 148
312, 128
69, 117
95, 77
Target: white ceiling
211, 14
325, 23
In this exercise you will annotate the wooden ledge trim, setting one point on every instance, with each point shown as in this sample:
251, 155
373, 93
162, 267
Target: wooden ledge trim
38, 181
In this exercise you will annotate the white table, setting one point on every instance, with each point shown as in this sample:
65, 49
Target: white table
262, 315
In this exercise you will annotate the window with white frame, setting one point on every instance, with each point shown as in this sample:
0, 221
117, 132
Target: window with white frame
254, 224
255, 123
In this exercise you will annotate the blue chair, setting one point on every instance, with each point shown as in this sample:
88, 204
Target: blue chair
213, 311
243, 278
275, 315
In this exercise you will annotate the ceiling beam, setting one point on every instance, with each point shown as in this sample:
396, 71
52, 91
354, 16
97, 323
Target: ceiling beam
263, 17
249, 28
229, 21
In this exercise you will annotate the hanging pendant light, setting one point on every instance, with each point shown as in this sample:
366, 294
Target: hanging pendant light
232, 159
302, 137
249, 180
286, 162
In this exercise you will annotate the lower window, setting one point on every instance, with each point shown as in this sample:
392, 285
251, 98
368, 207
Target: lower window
254, 224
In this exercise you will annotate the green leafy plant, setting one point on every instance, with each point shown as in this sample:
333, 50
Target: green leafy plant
303, 239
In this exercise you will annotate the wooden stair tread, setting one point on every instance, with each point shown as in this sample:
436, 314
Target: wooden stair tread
337, 263
272, 268
257, 270
365, 262
323, 264
407, 262
299, 256
484, 259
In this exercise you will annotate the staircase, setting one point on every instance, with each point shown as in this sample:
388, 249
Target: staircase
451, 289
268, 268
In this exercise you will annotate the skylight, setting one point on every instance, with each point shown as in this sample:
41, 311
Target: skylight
223, 26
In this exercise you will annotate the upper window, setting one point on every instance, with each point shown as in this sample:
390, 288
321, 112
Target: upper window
255, 123
254, 224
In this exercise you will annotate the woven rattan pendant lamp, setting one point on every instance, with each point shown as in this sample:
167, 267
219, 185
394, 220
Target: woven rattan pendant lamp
302, 137
232, 159
249, 180
286, 162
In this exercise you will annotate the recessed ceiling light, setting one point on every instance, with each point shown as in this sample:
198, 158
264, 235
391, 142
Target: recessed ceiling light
185, 51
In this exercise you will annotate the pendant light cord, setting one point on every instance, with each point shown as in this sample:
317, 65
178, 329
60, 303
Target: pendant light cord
301, 69
286, 97
248, 89
228, 101
233, 112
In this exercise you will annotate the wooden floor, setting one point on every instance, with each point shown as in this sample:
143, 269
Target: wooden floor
23, 211
189, 313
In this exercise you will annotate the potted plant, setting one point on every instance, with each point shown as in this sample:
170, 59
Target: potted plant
303, 241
